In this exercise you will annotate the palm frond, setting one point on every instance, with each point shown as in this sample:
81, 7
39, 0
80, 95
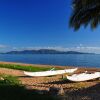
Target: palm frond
85, 12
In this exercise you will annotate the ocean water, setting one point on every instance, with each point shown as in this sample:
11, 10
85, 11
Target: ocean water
83, 60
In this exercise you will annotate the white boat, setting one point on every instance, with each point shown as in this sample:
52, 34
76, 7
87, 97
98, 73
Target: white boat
50, 73
83, 77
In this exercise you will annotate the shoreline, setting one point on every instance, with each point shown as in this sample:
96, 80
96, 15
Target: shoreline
30, 64
80, 69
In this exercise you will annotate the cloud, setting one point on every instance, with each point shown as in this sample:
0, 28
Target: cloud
87, 49
80, 48
3, 46
37, 48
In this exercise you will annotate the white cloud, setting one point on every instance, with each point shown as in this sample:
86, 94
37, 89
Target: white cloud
37, 48
3, 46
80, 48
86, 49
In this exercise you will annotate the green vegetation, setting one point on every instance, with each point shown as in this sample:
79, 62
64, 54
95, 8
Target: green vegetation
11, 89
9, 80
25, 68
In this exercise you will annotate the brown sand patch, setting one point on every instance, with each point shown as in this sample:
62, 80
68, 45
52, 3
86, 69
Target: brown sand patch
45, 82
87, 90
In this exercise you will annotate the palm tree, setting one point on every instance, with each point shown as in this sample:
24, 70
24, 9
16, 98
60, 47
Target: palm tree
85, 12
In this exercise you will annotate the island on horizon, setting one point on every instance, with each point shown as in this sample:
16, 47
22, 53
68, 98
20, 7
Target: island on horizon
45, 51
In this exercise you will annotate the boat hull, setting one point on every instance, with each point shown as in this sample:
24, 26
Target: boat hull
83, 77
50, 73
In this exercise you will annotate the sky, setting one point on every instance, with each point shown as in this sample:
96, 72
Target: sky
35, 24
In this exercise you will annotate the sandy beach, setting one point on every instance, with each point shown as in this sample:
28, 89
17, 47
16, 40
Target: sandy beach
89, 90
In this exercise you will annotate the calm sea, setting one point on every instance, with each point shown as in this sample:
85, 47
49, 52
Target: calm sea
90, 60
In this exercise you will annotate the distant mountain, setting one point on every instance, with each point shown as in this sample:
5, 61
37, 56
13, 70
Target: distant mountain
44, 51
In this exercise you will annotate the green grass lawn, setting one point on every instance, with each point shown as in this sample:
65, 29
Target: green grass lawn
25, 68
11, 89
